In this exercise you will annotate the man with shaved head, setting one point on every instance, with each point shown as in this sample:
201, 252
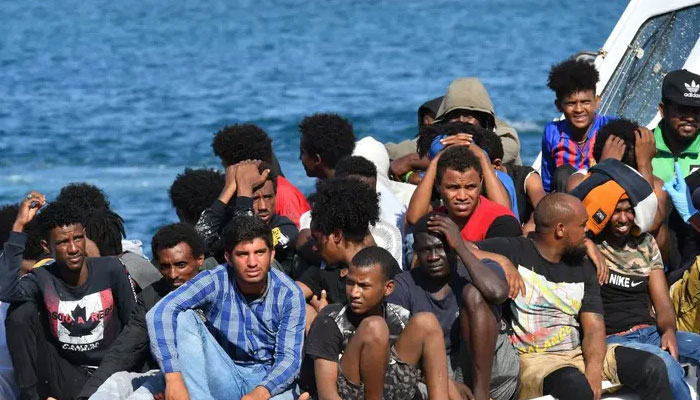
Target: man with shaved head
557, 326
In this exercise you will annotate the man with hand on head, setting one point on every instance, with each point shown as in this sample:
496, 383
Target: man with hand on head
179, 253
85, 303
254, 332
369, 348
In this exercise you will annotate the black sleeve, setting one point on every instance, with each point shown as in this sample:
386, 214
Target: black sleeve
591, 302
324, 339
209, 225
244, 206
12, 287
311, 277
124, 292
129, 352
504, 226
501, 245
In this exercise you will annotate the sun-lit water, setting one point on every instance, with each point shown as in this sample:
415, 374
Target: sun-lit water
127, 94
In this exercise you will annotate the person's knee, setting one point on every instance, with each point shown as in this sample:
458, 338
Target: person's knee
472, 299
373, 329
653, 368
426, 322
567, 382
22, 316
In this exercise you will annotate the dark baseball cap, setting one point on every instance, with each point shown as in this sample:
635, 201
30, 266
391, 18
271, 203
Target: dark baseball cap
682, 87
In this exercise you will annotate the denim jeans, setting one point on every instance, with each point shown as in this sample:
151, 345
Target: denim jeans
649, 339
208, 370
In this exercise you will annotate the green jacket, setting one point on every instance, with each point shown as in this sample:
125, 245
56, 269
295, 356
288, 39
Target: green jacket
689, 158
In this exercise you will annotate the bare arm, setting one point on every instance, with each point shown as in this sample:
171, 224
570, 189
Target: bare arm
420, 201
326, 373
594, 349
665, 314
534, 189
495, 191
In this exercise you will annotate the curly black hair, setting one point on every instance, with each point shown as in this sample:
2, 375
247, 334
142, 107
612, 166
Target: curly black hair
239, 142
8, 215
169, 236
106, 229
571, 76
625, 130
458, 158
355, 165
484, 138
244, 228
490, 143
84, 195
32, 248
328, 135
374, 255
195, 190
347, 205
59, 213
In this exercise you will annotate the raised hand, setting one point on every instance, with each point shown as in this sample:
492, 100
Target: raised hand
443, 224
248, 177
28, 208
614, 148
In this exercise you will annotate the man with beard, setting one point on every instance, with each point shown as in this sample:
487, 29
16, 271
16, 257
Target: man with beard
677, 133
557, 326
179, 253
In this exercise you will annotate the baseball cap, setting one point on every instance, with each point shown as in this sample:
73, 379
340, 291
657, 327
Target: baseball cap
682, 87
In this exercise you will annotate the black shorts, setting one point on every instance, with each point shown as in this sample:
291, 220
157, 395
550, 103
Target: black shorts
400, 383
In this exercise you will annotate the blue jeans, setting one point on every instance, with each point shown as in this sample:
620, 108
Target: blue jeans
208, 370
648, 339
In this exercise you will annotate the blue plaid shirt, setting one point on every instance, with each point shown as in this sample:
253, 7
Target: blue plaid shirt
268, 330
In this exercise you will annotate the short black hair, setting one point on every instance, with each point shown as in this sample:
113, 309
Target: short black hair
195, 190
458, 158
58, 214
355, 165
347, 205
106, 229
373, 255
625, 130
244, 228
239, 142
571, 76
169, 236
8, 215
84, 195
489, 142
329, 135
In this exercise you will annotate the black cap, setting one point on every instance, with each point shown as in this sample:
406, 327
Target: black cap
682, 87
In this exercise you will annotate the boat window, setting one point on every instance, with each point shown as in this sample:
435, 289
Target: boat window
661, 45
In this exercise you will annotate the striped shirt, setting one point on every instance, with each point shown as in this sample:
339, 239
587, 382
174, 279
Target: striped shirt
558, 148
268, 330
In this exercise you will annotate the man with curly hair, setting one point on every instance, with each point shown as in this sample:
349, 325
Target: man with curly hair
340, 219
325, 139
84, 303
179, 253
193, 191
457, 173
236, 143
570, 141
84, 195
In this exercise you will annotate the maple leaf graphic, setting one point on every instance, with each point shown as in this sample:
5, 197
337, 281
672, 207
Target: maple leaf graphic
79, 325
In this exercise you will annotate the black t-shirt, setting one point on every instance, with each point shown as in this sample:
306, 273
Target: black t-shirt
547, 318
410, 292
519, 174
335, 325
330, 279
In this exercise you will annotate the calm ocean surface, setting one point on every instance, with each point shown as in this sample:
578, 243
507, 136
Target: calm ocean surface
127, 94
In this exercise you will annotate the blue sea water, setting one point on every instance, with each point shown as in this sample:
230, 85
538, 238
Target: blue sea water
126, 94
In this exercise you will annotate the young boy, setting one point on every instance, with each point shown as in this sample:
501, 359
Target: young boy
369, 349
570, 141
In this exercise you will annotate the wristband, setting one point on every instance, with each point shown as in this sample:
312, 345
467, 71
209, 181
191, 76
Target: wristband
408, 175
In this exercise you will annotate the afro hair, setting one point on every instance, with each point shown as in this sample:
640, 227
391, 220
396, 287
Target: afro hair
328, 135
8, 215
86, 196
625, 130
347, 205
169, 236
58, 214
32, 248
195, 190
246, 228
236, 143
458, 158
106, 229
572, 76
355, 165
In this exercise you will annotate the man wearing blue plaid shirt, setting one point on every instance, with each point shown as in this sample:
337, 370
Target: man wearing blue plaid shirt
250, 346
